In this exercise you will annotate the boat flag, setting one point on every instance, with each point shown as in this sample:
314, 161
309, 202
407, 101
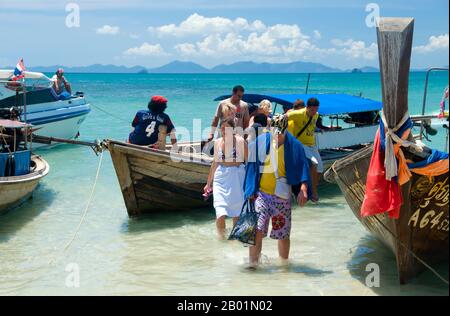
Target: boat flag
18, 71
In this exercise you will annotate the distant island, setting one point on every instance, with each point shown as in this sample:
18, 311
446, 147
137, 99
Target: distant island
183, 67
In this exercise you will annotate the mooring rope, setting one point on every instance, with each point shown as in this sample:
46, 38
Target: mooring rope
110, 114
88, 204
403, 245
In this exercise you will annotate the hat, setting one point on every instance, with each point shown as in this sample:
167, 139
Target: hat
158, 99
280, 123
60, 70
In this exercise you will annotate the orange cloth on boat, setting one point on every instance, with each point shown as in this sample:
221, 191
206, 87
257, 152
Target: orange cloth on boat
433, 170
404, 174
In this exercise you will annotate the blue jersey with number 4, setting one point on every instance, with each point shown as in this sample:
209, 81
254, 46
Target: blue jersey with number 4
146, 127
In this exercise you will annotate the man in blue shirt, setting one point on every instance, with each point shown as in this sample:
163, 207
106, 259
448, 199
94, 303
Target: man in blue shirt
147, 124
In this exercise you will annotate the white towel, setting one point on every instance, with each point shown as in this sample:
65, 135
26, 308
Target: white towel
228, 190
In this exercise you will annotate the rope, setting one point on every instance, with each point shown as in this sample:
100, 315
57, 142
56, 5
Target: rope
4, 140
403, 245
110, 114
88, 204
390, 161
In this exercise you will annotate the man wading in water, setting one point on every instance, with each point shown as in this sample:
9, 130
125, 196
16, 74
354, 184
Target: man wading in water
277, 167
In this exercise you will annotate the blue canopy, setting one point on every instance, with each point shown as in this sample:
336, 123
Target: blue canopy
330, 104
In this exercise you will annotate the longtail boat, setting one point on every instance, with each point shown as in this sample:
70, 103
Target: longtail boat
419, 236
154, 180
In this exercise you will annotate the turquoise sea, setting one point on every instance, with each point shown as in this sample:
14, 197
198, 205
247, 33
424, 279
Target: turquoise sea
178, 254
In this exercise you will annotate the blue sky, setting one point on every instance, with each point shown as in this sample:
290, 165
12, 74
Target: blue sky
152, 33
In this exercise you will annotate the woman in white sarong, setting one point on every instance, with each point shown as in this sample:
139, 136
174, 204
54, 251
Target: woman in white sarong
226, 176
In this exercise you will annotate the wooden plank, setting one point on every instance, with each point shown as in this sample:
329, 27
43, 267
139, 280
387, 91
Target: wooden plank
121, 165
395, 37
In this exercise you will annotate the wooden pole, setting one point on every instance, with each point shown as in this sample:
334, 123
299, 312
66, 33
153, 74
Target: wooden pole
395, 36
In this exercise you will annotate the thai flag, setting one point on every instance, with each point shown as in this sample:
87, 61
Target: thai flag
18, 71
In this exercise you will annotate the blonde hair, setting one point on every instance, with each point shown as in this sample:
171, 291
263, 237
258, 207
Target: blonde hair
266, 105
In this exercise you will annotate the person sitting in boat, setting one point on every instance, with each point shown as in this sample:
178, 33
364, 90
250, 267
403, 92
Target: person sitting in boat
234, 108
151, 127
61, 86
276, 168
226, 175
302, 124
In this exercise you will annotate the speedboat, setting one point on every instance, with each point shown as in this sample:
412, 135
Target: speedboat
51, 115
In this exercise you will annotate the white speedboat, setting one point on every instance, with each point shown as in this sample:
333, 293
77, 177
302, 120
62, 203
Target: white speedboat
46, 111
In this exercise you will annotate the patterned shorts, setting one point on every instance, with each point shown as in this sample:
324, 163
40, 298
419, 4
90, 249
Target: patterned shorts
279, 210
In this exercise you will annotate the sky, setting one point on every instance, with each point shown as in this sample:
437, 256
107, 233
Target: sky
337, 33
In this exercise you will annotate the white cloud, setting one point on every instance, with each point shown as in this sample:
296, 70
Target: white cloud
145, 49
434, 43
356, 49
317, 35
199, 25
108, 30
222, 38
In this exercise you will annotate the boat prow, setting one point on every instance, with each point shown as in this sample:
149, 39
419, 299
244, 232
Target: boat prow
17, 189
155, 180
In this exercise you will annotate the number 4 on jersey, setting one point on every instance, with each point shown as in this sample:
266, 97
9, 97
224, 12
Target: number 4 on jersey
150, 129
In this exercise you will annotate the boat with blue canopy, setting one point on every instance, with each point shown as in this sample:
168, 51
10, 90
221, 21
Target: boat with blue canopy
330, 103
352, 120
20, 170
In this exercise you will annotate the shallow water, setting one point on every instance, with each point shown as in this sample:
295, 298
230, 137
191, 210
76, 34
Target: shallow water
178, 253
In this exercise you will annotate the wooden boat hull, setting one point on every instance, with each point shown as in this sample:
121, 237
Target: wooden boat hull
15, 190
421, 230
151, 181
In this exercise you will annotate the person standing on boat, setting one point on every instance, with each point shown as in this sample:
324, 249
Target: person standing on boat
60, 84
226, 176
302, 124
277, 167
234, 108
148, 124
265, 107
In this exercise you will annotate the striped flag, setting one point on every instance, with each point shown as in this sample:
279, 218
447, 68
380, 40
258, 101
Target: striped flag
18, 71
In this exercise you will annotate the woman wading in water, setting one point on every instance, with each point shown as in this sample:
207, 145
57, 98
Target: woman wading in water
226, 176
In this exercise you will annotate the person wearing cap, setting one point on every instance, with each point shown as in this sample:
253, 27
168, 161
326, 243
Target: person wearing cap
277, 167
149, 124
60, 84
302, 124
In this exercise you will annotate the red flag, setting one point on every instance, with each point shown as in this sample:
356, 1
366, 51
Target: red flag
381, 195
